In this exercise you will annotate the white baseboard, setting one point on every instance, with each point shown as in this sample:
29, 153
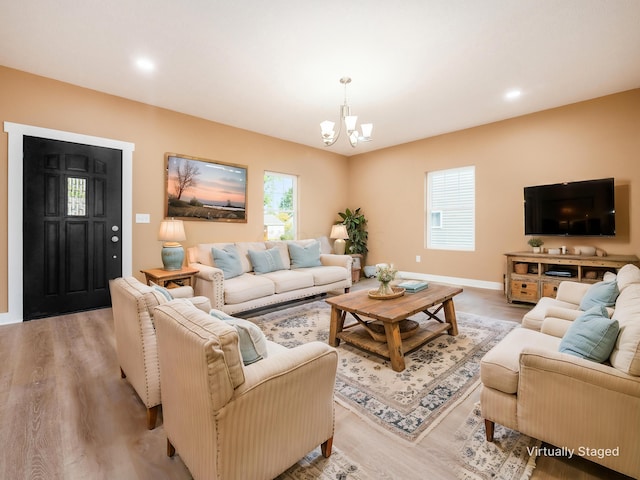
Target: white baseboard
465, 282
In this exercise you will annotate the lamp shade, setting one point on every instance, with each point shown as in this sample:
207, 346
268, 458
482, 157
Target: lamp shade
350, 122
171, 231
327, 128
339, 231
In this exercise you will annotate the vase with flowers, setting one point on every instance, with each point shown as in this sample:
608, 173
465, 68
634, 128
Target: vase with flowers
385, 274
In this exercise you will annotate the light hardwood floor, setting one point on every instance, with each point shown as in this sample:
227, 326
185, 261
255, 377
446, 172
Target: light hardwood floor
65, 413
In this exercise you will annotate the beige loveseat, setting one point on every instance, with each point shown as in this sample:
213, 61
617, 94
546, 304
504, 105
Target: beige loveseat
250, 287
591, 409
133, 303
228, 420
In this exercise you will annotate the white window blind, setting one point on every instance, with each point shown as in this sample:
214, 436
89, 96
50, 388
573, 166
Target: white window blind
450, 216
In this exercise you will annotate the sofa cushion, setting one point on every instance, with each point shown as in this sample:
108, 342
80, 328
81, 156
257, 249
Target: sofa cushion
325, 244
305, 255
201, 303
243, 248
601, 293
626, 352
326, 274
288, 280
628, 275
252, 342
282, 247
592, 335
247, 287
265, 261
500, 367
227, 259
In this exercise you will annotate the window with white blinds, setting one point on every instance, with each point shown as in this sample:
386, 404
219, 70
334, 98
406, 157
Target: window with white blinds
450, 216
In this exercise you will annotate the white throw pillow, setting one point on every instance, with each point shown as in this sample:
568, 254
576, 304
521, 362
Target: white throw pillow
626, 353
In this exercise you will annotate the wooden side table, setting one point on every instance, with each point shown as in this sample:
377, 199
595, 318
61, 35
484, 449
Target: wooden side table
170, 278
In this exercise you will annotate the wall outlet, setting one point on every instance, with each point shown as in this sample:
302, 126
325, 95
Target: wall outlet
417, 258
143, 218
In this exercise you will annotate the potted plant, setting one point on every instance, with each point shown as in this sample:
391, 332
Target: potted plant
536, 243
356, 224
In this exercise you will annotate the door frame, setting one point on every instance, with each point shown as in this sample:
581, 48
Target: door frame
16, 133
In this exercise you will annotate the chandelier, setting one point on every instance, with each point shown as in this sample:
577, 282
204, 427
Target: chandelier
329, 136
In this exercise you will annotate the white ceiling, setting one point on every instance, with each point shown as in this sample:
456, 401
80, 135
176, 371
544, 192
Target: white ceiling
419, 67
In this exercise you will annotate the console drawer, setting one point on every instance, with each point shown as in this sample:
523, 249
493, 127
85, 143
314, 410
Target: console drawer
524, 290
549, 289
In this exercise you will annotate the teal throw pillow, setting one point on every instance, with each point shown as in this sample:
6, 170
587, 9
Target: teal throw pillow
227, 259
592, 335
601, 293
304, 256
253, 343
164, 291
265, 261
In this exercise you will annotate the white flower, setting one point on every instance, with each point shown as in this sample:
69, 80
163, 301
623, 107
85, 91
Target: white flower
385, 273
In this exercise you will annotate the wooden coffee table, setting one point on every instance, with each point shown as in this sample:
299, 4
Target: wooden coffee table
391, 313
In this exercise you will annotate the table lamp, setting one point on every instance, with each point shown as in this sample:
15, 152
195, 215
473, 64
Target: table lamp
171, 232
339, 232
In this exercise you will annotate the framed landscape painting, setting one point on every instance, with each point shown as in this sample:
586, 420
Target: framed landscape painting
201, 189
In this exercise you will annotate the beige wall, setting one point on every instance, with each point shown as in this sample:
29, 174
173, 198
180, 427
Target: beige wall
588, 140
594, 139
32, 100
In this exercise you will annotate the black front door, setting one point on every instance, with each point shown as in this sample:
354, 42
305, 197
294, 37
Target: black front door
72, 226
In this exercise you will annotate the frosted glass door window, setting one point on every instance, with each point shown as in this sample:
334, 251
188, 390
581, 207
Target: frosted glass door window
76, 197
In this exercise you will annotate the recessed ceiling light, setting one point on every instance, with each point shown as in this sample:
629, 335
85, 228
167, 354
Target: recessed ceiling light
145, 64
513, 94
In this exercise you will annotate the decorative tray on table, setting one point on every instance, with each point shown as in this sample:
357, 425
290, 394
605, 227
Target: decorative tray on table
397, 292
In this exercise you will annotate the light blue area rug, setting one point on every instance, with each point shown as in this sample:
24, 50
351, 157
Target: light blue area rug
508, 457
315, 467
407, 404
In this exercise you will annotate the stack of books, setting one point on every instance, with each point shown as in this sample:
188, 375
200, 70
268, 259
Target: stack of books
412, 286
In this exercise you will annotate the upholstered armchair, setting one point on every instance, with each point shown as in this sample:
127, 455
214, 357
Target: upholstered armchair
228, 420
132, 304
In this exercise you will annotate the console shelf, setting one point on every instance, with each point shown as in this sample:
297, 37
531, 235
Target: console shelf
534, 275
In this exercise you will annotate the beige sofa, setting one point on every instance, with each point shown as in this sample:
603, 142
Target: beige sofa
133, 303
252, 289
591, 409
231, 421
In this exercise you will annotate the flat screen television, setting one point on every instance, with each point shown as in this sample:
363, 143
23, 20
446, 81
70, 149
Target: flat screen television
585, 208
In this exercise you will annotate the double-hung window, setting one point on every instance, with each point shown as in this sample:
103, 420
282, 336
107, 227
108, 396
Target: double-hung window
280, 206
450, 213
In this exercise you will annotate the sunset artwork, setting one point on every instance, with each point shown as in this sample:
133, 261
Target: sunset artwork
200, 189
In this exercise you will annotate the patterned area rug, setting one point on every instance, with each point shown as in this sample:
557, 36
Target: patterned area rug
315, 467
408, 404
508, 457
